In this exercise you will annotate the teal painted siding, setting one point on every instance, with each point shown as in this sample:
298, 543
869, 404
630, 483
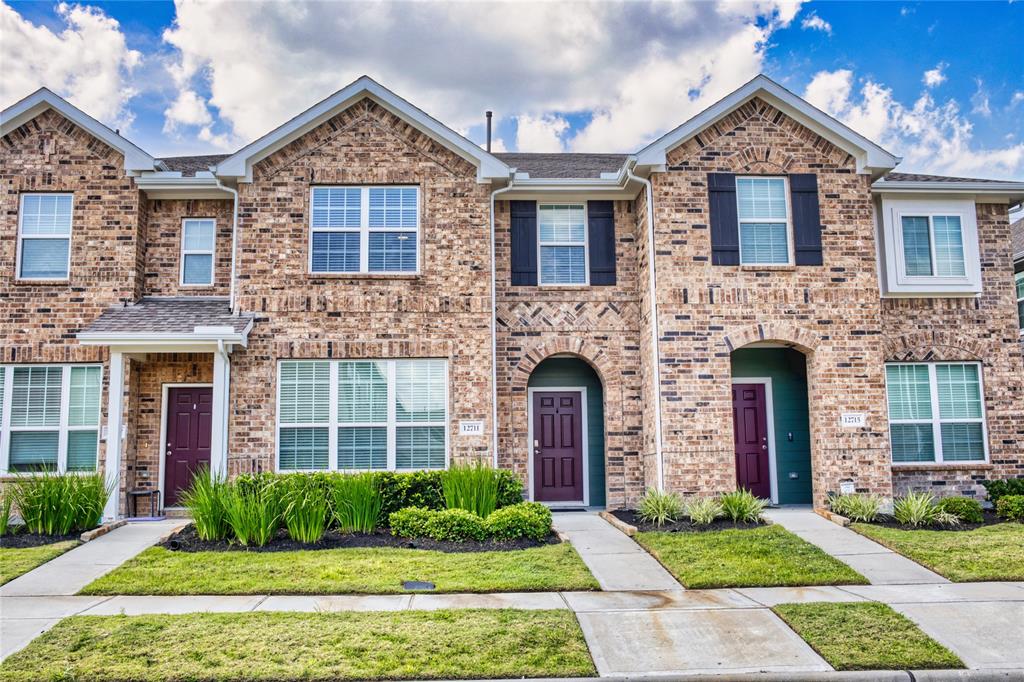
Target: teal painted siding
788, 372
564, 372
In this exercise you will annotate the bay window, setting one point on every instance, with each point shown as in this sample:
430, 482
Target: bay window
364, 230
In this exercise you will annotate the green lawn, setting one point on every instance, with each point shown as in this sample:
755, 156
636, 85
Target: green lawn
15, 561
346, 571
759, 557
307, 646
986, 553
865, 636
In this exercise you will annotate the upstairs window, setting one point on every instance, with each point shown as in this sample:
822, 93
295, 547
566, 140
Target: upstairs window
764, 221
1019, 281
936, 412
197, 248
44, 236
933, 246
364, 230
562, 243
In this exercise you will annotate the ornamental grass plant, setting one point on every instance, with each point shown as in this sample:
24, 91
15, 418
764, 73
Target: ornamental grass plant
57, 504
473, 487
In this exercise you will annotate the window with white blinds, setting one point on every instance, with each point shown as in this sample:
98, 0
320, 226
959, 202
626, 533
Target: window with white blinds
764, 220
936, 413
50, 417
198, 236
44, 236
933, 246
1018, 281
362, 414
364, 230
562, 243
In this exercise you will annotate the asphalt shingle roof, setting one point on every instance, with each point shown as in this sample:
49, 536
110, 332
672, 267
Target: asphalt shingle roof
918, 177
179, 315
190, 165
564, 165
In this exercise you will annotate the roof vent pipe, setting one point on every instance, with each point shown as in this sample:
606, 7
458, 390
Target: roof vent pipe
489, 114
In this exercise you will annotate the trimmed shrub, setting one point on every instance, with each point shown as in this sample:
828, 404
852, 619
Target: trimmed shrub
254, 511
1011, 507
56, 504
742, 506
455, 525
412, 489
204, 500
410, 522
863, 508
1003, 487
517, 521
915, 509
541, 510
704, 510
510, 488
356, 502
473, 487
964, 509
660, 508
305, 508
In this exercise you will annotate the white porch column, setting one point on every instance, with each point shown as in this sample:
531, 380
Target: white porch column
115, 421
219, 430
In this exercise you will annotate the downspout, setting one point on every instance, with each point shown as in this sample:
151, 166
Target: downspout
651, 292
494, 330
234, 230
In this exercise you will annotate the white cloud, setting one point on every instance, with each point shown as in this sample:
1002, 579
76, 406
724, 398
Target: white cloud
1017, 98
813, 22
188, 109
88, 61
540, 133
980, 100
935, 77
931, 137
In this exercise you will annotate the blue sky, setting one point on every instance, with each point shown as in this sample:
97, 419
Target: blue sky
940, 83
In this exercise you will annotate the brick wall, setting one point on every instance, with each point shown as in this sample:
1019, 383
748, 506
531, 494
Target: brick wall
163, 246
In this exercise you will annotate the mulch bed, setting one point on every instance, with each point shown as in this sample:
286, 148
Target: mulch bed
889, 522
187, 540
16, 539
684, 526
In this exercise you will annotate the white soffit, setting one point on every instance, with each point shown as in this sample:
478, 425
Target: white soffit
239, 165
870, 157
20, 113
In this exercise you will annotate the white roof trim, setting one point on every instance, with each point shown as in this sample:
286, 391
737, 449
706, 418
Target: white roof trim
239, 165
173, 186
19, 113
870, 157
1000, 188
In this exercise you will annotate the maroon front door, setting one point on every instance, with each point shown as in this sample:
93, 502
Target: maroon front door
189, 422
557, 447
750, 420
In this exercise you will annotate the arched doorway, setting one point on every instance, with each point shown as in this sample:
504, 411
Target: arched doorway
566, 433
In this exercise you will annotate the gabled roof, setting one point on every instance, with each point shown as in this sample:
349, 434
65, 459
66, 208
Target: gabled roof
239, 164
870, 157
563, 165
19, 113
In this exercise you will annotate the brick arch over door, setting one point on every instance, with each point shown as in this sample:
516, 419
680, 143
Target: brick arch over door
801, 339
589, 353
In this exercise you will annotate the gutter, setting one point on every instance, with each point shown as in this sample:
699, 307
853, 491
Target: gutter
652, 290
234, 233
494, 329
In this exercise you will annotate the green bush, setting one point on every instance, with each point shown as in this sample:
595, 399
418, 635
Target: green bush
863, 508
741, 506
411, 489
704, 510
916, 509
473, 487
305, 508
456, 525
1003, 487
1011, 507
541, 510
254, 511
510, 488
964, 509
356, 502
204, 500
660, 508
56, 504
518, 521
410, 522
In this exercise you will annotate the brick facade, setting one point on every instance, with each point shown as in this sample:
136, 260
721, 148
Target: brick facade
163, 246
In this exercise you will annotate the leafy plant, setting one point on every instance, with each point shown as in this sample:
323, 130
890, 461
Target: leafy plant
1011, 507
510, 488
660, 508
1003, 487
5, 513
742, 506
863, 508
204, 500
704, 510
915, 509
409, 489
456, 525
964, 509
56, 504
472, 487
305, 508
356, 502
410, 522
253, 512
518, 521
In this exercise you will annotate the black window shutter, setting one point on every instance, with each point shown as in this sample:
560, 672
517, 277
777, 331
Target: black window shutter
725, 225
601, 230
803, 192
524, 243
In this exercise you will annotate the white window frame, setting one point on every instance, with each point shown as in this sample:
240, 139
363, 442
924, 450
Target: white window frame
365, 230
211, 252
22, 237
895, 280
790, 246
1019, 276
333, 424
586, 245
937, 421
63, 428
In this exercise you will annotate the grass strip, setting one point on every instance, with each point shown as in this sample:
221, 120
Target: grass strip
865, 636
15, 561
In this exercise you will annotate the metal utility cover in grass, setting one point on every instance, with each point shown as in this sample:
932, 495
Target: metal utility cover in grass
418, 585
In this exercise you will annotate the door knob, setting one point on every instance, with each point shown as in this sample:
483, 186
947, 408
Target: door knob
764, 447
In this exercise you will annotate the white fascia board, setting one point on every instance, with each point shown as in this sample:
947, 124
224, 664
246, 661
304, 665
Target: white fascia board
19, 113
173, 186
870, 157
1010, 192
239, 165
161, 339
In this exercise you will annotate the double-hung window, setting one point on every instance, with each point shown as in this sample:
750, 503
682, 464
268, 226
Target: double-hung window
933, 246
44, 236
50, 416
362, 414
364, 230
1018, 280
764, 221
562, 243
197, 249
936, 413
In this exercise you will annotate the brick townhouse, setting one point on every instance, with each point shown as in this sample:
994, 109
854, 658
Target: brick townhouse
756, 298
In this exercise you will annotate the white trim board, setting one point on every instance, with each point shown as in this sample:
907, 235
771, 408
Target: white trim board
773, 474
582, 390
163, 432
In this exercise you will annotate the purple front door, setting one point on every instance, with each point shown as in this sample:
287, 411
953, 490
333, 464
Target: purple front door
189, 422
750, 429
557, 447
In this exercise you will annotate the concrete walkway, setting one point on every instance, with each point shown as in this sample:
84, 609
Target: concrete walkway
880, 565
